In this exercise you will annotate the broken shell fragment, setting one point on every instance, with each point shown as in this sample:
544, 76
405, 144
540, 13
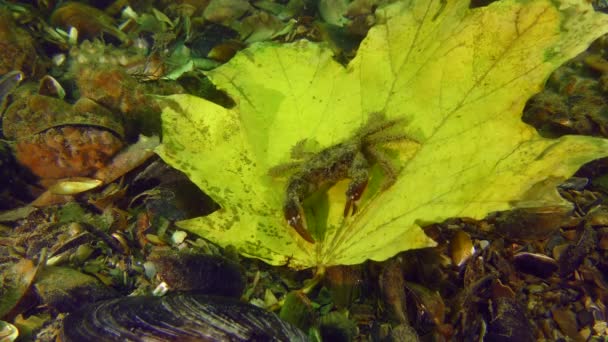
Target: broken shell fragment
598, 217
75, 185
8, 332
179, 317
49, 86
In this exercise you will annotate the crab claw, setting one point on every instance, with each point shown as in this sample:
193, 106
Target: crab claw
350, 202
294, 214
353, 194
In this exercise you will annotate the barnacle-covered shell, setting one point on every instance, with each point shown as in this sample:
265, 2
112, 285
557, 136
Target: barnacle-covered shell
31, 114
102, 59
179, 317
67, 151
116, 90
55, 139
111, 87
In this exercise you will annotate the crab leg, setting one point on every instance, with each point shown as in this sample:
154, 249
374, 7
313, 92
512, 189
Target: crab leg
293, 211
359, 175
390, 174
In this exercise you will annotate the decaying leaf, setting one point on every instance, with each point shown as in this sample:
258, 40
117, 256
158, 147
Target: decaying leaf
459, 78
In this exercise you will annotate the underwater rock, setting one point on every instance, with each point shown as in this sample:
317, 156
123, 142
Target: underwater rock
177, 317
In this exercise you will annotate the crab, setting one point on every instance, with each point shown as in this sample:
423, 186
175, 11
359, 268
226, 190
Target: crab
349, 159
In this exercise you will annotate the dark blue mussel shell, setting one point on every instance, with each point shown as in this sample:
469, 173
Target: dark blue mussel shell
176, 317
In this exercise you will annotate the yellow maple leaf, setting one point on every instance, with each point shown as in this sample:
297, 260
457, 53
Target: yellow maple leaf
459, 78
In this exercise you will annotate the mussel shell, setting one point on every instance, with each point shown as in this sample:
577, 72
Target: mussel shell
201, 273
537, 264
177, 317
32, 114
